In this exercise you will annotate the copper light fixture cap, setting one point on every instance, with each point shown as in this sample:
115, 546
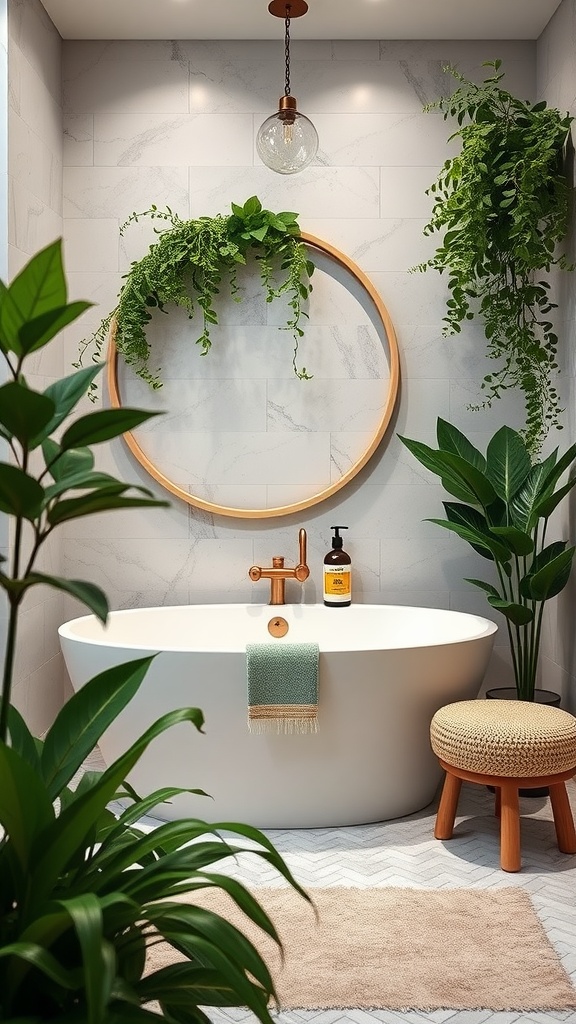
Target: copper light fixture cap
288, 8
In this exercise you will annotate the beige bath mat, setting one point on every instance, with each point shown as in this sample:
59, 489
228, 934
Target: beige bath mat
395, 948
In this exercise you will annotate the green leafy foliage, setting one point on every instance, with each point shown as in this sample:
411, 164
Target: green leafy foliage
502, 204
506, 520
186, 267
84, 892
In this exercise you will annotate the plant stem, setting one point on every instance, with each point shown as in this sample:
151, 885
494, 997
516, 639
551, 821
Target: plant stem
8, 667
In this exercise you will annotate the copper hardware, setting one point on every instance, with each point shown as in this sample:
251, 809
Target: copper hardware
278, 575
278, 626
294, 8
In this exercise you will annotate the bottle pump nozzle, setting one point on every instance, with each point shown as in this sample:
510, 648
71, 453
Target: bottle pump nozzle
337, 541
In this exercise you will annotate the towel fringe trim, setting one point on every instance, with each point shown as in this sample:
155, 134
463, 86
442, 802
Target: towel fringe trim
282, 726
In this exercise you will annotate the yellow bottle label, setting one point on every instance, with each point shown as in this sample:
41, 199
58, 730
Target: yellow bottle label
337, 583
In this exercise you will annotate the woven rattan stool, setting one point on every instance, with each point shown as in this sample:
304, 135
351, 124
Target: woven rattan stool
506, 744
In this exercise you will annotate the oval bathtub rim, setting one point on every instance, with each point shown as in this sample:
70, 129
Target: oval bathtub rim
66, 630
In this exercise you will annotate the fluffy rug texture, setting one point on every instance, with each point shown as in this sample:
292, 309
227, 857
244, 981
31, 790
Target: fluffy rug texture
396, 948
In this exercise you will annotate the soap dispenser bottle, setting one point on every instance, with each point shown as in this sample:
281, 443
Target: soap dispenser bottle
337, 573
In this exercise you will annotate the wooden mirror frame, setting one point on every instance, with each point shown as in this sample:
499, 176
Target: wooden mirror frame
297, 506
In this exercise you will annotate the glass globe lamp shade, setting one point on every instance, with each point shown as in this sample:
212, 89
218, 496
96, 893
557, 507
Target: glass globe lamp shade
287, 141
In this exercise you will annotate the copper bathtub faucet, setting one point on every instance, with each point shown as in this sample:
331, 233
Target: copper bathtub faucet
278, 575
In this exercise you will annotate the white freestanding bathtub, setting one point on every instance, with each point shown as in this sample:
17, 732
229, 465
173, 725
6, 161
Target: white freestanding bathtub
383, 672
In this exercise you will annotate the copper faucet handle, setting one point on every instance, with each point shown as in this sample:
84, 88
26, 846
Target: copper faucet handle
301, 572
255, 573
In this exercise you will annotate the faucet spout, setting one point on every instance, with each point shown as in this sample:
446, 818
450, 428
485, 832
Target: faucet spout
278, 574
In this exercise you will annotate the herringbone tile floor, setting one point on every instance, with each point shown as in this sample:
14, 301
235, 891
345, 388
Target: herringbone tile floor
404, 852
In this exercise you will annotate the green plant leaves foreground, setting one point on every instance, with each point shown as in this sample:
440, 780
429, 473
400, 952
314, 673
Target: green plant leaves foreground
505, 503
74, 943
188, 266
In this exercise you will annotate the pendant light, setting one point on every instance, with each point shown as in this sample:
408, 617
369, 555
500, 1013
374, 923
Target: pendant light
287, 141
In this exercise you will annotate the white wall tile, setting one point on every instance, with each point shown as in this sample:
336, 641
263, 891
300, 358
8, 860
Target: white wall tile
91, 245
138, 86
149, 140
78, 139
315, 192
36, 165
33, 32
387, 140
31, 224
103, 192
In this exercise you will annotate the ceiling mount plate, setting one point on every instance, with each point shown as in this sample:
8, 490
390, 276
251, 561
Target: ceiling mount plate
296, 8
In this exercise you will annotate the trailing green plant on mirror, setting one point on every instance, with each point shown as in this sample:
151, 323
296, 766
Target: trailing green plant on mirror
503, 205
85, 892
187, 266
505, 503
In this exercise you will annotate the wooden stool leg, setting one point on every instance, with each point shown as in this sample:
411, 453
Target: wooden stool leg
447, 807
563, 820
497, 801
509, 828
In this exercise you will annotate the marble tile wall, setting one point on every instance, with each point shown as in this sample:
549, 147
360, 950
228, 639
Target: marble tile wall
174, 123
34, 219
556, 83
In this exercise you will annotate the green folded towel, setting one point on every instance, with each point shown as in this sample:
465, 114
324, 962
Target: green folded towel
282, 687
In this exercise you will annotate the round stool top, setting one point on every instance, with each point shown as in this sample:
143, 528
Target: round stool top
511, 738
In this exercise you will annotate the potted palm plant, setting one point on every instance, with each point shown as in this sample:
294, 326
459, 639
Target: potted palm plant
504, 504
84, 892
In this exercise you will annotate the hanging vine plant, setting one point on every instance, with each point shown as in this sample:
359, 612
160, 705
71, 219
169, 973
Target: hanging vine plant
503, 204
187, 266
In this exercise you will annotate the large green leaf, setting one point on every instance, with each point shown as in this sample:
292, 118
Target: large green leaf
90, 595
488, 588
82, 720
103, 425
450, 439
90, 480
212, 941
63, 464
534, 488
59, 844
472, 518
25, 807
22, 740
520, 543
20, 495
540, 559
44, 961
139, 809
507, 463
39, 287
36, 333
476, 539
519, 614
470, 482
552, 578
66, 393
545, 508
103, 500
188, 922
24, 412
220, 984
563, 463
98, 959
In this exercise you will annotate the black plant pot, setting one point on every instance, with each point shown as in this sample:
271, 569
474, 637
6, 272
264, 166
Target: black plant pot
540, 697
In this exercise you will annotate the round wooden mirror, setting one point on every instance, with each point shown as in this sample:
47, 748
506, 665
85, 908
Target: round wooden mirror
242, 436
